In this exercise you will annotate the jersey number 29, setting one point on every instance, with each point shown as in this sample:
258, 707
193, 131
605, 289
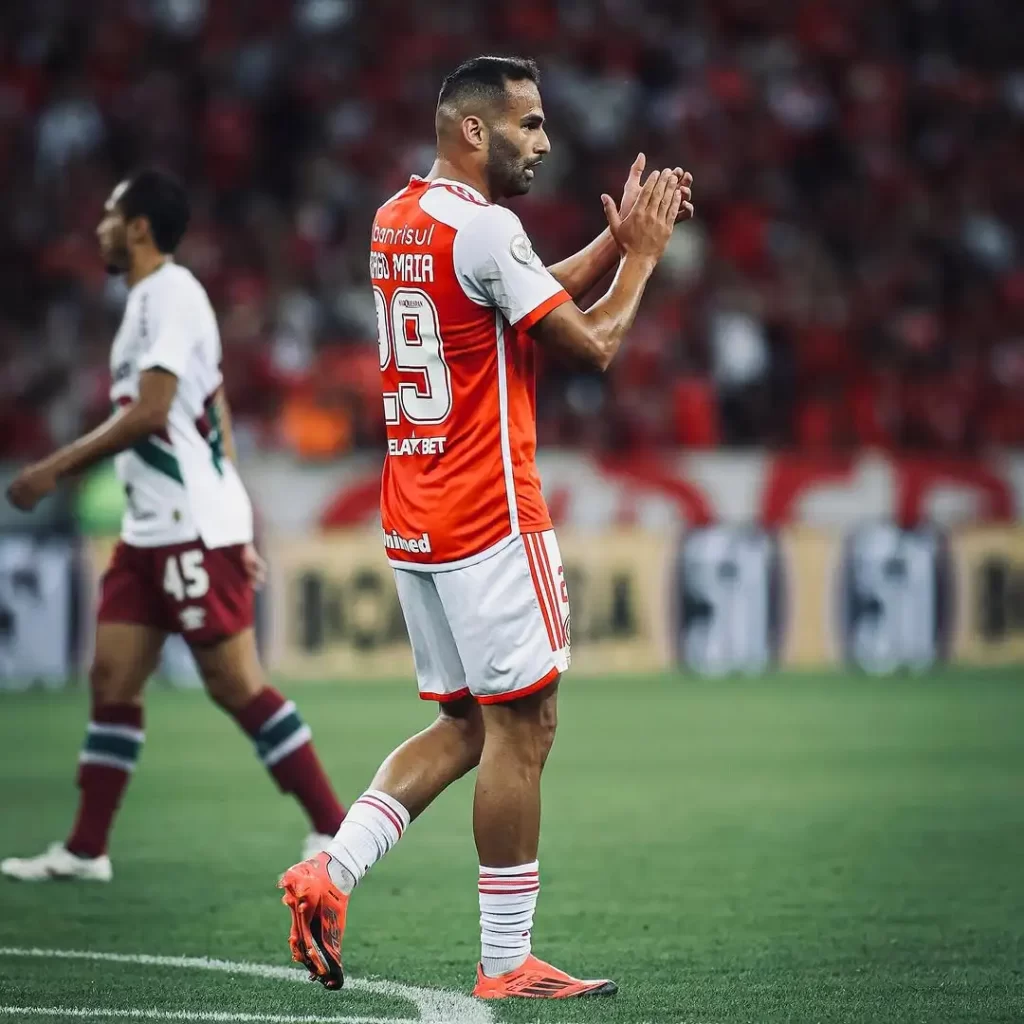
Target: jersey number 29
410, 331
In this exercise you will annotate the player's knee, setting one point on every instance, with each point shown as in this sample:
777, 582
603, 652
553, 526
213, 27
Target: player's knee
526, 728
467, 726
546, 727
231, 690
231, 670
110, 683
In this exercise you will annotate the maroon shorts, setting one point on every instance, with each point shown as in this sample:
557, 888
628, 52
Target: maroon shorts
203, 593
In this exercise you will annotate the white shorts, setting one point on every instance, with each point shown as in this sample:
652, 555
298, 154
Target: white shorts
497, 629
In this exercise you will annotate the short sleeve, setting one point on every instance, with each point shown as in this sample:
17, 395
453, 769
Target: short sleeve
168, 318
496, 266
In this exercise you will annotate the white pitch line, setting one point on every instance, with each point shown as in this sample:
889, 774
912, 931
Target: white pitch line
189, 1015
435, 1005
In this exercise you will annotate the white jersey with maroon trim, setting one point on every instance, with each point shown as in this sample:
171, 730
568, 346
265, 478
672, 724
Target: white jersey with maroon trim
457, 284
178, 483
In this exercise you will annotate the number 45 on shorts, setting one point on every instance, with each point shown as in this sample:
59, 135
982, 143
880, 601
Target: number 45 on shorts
185, 576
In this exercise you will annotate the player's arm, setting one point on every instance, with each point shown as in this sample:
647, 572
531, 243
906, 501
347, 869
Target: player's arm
128, 425
585, 269
167, 324
593, 337
580, 272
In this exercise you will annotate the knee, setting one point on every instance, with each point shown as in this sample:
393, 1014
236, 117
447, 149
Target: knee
229, 690
539, 723
109, 683
525, 729
466, 726
545, 729
231, 671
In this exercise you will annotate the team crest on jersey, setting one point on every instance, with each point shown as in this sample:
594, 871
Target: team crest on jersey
521, 249
192, 618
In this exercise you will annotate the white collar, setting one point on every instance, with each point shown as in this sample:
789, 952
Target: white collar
457, 184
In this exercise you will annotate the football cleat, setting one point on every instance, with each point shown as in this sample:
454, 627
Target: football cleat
538, 980
57, 863
318, 910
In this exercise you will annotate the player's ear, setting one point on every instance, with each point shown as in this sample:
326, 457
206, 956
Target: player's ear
474, 131
137, 229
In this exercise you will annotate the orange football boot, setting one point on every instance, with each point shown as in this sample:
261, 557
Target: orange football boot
318, 910
538, 980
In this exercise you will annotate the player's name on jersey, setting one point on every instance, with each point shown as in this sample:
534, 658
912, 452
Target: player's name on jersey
411, 267
416, 445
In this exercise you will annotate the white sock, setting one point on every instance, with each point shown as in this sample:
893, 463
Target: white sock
508, 898
374, 823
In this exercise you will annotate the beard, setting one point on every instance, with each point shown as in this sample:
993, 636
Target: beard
506, 168
116, 259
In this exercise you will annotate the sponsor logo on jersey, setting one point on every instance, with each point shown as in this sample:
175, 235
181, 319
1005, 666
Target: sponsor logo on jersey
416, 445
405, 235
417, 545
521, 249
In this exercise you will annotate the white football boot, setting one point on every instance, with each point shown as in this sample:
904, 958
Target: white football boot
57, 863
314, 843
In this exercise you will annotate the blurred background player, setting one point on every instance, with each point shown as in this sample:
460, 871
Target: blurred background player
461, 296
185, 562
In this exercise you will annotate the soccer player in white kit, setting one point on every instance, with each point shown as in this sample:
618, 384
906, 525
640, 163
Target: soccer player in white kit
185, 562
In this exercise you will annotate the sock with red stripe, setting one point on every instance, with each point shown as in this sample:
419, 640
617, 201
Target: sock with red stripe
508, 898
284, 743
374, 823
112, 746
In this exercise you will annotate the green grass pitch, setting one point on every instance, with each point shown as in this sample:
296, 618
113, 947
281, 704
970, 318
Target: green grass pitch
801, 849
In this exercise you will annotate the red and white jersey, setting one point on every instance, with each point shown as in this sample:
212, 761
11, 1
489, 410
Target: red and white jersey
457, 284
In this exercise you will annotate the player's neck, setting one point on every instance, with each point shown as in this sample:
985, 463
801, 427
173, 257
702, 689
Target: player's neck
446, 169
144, 264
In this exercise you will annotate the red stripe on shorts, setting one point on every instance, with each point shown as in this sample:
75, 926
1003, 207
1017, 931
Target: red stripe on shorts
539, 589
545, 570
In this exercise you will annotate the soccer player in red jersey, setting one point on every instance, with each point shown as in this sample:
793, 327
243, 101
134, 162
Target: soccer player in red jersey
185, 563
462, 299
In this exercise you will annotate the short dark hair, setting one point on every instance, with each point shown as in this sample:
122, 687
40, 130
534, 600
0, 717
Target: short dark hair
163, 201
486, 77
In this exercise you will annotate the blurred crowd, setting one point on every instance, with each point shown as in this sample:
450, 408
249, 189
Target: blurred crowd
855, 275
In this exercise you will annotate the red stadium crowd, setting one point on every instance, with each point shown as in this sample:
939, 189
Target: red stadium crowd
855, 275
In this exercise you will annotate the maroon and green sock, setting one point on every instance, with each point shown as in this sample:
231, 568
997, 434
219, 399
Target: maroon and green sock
113, 742
284, 743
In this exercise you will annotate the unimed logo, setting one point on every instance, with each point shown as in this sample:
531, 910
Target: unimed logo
416, 545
